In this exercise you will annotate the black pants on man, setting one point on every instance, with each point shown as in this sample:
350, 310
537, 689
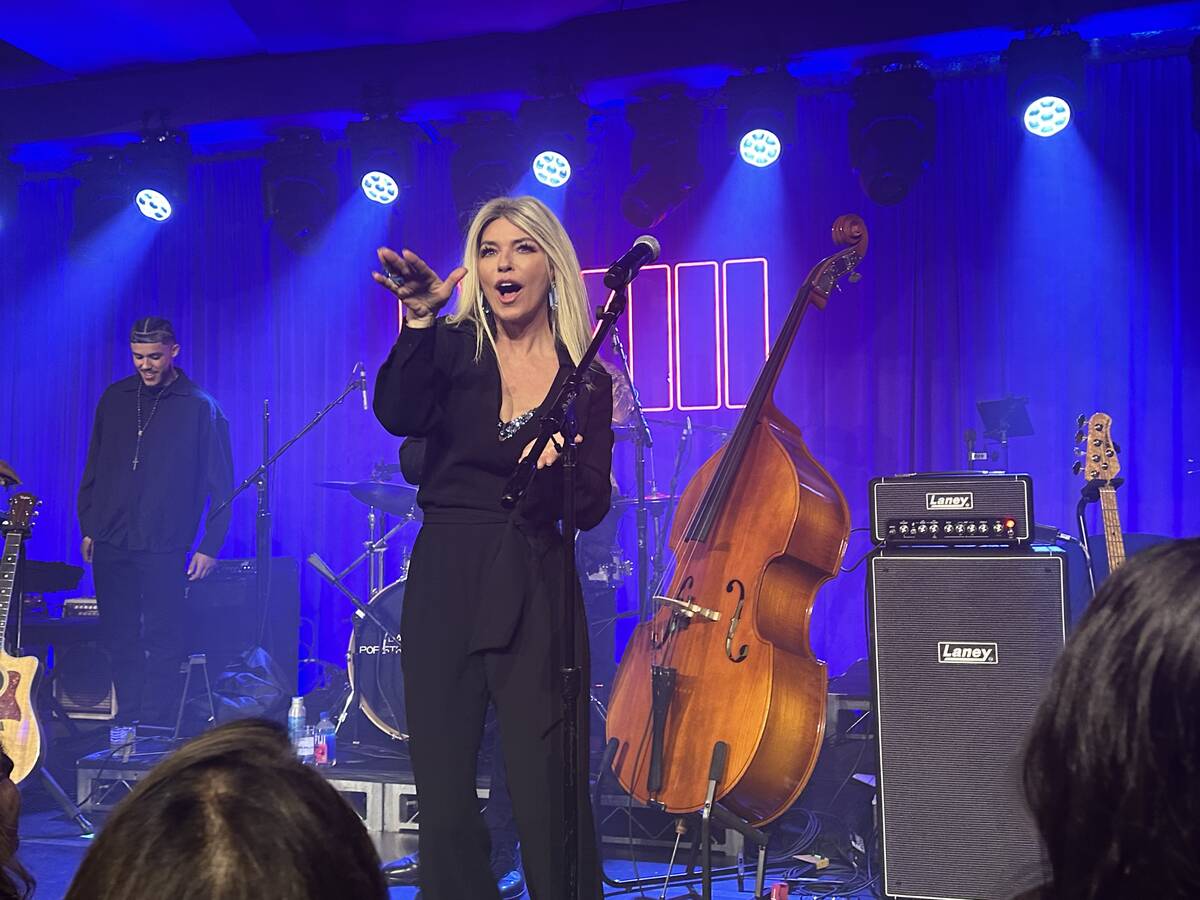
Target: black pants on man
141, 598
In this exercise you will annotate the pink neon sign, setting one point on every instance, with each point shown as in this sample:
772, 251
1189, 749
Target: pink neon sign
696, 332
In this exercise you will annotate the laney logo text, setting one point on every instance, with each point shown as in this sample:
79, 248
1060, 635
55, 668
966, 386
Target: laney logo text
968, 652
964, 500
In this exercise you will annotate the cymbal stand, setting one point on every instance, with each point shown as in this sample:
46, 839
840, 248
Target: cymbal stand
642, 441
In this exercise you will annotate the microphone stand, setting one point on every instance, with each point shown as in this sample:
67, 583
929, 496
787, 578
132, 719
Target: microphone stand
560, 418
262, 521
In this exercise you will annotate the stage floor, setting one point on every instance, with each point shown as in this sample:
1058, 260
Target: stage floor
52, 850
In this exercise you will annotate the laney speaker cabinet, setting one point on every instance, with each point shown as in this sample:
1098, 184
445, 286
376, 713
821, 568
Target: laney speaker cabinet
962, 646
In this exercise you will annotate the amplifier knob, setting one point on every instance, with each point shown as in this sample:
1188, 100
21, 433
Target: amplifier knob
922, 528
970, 528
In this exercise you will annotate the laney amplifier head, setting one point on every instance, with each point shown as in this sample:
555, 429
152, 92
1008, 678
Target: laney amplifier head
967, 508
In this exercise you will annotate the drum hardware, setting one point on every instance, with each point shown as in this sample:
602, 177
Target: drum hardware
397, 499
654, 498
627, 408
383, 496
389, 636
383, 639
611, 574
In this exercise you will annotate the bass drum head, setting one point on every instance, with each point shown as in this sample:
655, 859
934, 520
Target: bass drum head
373, 664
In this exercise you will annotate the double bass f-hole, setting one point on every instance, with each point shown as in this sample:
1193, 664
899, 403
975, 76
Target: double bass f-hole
733, 623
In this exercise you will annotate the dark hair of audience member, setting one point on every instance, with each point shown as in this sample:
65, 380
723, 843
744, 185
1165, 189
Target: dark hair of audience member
15, 880
232, 815
1112, 771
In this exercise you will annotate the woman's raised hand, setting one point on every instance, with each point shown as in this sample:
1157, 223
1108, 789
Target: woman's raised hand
422, 291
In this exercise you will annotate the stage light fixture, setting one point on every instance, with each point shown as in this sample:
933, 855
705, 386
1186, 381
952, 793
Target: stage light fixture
759, 148
153, 205
381, 153
551, 168
892, 127
761, 115
1045, 81
380, 187
483, 164
554, 135
299, 185
1047, 116
664, 155
158, 167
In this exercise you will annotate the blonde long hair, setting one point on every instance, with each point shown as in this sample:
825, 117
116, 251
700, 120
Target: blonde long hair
572, 322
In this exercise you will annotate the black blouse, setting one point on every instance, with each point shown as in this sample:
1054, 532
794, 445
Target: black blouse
432, 387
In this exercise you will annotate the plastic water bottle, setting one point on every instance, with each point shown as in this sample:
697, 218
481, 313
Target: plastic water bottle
325, 749
297, 719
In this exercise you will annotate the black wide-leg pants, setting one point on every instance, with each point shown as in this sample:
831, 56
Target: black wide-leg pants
142, 627
447, 688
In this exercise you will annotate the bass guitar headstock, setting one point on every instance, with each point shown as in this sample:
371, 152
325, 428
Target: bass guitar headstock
1099, 455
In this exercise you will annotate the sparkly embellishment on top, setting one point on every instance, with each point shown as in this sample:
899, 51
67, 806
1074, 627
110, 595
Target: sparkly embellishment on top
511, 427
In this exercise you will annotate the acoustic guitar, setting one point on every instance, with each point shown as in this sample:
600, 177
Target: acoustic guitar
1100, 464
20, 732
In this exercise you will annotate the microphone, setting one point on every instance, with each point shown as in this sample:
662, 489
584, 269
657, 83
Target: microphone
644, 250
362, 382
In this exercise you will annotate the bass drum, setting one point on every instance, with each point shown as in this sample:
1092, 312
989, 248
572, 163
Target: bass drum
373, 663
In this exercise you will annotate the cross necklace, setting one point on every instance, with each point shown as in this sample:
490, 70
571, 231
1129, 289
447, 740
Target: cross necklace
141, 427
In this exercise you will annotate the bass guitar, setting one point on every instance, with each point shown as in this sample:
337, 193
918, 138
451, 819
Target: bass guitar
1100, 464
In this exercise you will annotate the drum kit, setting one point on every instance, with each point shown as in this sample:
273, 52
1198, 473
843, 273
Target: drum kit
375, 684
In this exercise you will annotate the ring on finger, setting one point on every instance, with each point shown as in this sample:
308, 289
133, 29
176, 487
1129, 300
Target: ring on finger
394, 277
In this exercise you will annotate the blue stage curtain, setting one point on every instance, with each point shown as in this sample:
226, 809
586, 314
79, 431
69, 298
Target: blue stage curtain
1061, 270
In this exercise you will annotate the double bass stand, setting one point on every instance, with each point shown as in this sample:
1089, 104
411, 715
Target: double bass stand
710, 811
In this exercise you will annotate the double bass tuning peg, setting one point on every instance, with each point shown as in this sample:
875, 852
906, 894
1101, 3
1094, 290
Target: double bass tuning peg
1081, 421
1076, 467
1079, 437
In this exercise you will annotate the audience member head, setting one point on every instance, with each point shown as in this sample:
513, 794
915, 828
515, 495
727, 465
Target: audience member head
232, 815
1112, 771
15, 880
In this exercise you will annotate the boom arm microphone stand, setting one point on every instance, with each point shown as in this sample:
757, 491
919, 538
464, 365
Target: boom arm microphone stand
560, 418
262, 521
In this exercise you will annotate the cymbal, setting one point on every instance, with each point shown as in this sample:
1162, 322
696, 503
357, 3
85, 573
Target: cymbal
656, 497
396, 499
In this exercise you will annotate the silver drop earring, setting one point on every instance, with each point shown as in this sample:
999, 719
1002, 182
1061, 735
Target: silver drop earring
553, 297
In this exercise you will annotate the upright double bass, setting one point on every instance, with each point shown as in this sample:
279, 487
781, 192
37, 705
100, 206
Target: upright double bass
725, 654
